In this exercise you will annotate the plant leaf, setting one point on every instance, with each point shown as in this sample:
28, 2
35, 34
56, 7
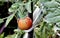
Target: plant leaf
52, 17
1, 21
11, 36
55, 13
28, 6
14, 7
43, 0
9, 19
58, 0
2, 35
51, 4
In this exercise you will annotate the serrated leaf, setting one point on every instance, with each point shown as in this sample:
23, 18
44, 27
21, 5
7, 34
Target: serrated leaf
51, 4
19, 14
11, 10
14, 7
52, 17
28, 6
21, 9
53, 20
9, 19
1, 21
51, 9
18, 31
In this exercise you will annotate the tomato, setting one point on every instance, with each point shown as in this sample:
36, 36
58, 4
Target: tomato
25, 24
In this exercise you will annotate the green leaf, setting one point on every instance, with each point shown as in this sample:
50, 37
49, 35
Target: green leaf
57, 0
14, 7
53, 14
51, 4
1, 21
52, 17
53, 20
51, 9
19, 7
28, 6
18, 31
11, 36
35, 1
21, 13
11, 10
9, 19
8, 0
2, 35
43, 1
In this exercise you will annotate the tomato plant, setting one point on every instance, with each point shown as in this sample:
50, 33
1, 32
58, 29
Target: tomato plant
46, 18
19, 9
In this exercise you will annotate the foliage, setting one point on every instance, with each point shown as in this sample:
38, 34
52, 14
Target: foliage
19, 9
2, 35
1, 21
18, 33
50, 18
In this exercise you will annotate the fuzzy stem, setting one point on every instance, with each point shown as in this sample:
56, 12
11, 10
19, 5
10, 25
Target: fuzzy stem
1, 30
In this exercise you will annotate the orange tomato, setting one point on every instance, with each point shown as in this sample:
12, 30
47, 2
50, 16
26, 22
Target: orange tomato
25, 24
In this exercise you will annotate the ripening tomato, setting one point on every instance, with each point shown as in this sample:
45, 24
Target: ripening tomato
25, 24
